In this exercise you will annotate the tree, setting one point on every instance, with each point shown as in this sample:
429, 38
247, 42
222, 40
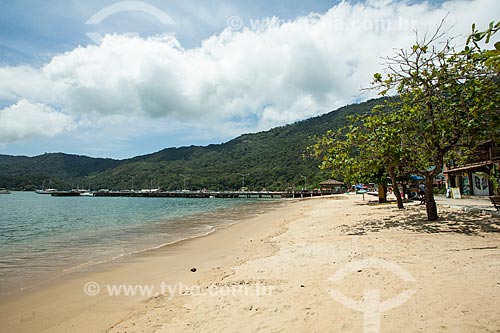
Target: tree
367, 150
447, 102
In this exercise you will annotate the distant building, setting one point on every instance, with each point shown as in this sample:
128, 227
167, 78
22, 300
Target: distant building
331, 186
473, 177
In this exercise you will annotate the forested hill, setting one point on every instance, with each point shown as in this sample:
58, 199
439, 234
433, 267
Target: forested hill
270, 159
60, 170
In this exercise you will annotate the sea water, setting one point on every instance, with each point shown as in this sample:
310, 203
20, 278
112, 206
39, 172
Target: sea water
42, 237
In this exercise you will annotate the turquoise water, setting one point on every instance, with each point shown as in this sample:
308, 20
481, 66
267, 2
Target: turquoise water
42, 237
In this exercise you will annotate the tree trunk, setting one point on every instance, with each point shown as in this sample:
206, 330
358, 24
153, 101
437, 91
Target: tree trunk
430, 203
382, 193
395, 188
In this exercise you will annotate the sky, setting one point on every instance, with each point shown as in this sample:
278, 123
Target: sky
124, 78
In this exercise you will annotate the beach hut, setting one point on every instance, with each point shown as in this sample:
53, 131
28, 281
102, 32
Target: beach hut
331, 186
474, 177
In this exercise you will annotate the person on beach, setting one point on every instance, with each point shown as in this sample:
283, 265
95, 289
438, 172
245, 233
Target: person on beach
421, 193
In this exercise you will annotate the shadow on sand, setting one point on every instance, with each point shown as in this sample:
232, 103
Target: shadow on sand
413, 218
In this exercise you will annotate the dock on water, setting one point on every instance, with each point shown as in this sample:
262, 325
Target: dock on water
195, 194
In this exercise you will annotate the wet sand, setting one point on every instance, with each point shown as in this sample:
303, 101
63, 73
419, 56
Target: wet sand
63, 305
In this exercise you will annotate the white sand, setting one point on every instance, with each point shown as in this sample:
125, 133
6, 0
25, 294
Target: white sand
288, 256
457, 277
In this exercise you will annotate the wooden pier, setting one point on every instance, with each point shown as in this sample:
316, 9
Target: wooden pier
196, 194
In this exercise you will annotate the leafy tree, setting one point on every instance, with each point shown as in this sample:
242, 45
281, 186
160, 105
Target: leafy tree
367, 150
447, 102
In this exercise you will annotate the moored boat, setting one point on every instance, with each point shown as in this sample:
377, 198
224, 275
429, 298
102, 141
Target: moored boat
4, 191
46, 191
65, 194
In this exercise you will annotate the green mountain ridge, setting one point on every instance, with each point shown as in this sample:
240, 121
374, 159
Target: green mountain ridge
272, 159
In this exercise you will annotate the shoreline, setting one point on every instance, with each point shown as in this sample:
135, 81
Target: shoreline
210, 221
17, 309
449, 271
290, 259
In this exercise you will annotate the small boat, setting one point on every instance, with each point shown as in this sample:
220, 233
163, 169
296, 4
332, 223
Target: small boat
4, 191
46, 191
86, 194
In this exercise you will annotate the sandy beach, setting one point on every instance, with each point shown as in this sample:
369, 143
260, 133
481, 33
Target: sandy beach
331, 264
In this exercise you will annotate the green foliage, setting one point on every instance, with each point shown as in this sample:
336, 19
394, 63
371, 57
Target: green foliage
273, 159
447, 103
368, 150
60, 170
491, 57
360, 151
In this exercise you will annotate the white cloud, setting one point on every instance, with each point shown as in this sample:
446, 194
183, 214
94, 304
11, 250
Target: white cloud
24, 82
27, 120
265, 77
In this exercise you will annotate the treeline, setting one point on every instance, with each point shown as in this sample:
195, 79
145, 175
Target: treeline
272, 160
